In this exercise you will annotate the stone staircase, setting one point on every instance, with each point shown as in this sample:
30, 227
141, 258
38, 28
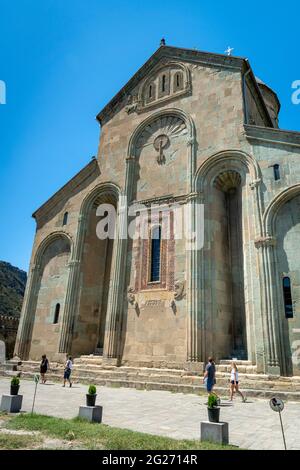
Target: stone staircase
90, 369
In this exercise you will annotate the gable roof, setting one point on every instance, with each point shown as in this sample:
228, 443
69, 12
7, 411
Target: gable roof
190, 55
86, 172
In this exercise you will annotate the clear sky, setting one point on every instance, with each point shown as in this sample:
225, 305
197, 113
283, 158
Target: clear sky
62, 61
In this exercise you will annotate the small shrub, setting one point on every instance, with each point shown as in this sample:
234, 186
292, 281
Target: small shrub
212, 401
15, 381
92, 390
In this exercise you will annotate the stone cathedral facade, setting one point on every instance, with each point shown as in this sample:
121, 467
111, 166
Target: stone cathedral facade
194, 129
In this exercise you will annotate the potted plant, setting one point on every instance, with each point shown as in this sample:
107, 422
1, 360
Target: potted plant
91, 396
213, 408
14, 386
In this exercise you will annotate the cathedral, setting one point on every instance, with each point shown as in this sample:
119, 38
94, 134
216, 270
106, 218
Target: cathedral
197, 131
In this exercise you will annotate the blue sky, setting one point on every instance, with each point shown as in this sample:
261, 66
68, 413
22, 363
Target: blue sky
62, 61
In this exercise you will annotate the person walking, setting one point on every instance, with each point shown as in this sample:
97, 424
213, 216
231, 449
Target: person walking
209, 378
68, 371
44, 366
234, 382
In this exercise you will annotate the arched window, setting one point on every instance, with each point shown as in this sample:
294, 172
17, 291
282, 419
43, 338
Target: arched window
163, 83
65, 219
178, 81
287, 295
155, 254
56, 313
276, 172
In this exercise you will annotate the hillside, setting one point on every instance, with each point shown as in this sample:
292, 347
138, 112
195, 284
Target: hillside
12, 287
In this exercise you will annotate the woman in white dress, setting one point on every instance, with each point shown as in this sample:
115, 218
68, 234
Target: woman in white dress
234, 382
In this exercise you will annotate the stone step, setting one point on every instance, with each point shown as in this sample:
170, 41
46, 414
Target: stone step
179, 388
94, 362
97, 368
171, 379
34, 366
241, 368
238, 362
258, 381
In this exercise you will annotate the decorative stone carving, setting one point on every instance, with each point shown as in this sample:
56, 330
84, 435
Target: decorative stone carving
132, 102
265, 241
253, 184
190, 141
179, 293
130, 295
161, 142
169, 126
227, 181
154, 303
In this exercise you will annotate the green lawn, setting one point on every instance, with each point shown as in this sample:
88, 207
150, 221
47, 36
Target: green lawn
98, 436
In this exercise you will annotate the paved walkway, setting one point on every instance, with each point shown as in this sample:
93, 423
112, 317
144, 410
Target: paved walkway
252, 425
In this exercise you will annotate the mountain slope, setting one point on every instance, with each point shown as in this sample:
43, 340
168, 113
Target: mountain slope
12, 287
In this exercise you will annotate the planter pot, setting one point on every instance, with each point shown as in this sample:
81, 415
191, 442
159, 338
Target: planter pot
14, 389
213, 414
91, 399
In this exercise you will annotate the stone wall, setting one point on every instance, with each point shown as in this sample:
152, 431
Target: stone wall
51, 291
163, 151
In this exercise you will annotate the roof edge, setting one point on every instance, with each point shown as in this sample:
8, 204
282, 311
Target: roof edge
77, 179
167, 51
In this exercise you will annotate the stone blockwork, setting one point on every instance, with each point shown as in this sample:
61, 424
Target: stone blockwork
190, 129
8, 332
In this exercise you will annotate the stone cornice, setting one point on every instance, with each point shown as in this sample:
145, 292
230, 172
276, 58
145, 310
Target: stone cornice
73, 183
169, 199
272, 135
161, 200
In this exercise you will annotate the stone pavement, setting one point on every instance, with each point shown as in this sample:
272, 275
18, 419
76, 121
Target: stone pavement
252, 425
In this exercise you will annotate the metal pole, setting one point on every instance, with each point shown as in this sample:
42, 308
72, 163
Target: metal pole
34, 397
282, 430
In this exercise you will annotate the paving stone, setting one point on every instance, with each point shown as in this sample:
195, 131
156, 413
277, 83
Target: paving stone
252, 425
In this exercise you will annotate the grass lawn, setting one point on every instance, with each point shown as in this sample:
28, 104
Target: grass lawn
92, 436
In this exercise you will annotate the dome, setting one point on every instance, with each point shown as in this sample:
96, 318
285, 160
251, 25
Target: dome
271, 100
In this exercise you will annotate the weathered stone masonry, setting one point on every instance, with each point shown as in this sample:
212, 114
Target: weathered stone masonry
190, 128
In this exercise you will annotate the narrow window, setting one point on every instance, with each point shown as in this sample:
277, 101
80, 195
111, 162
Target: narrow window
163, 83
150, 91
155, 254
276, 172
65, 219
177, 80
56, 313
287, 294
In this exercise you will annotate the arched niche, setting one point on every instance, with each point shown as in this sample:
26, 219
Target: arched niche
162, 148
282, 222
96, 256
225, 285
52, 260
